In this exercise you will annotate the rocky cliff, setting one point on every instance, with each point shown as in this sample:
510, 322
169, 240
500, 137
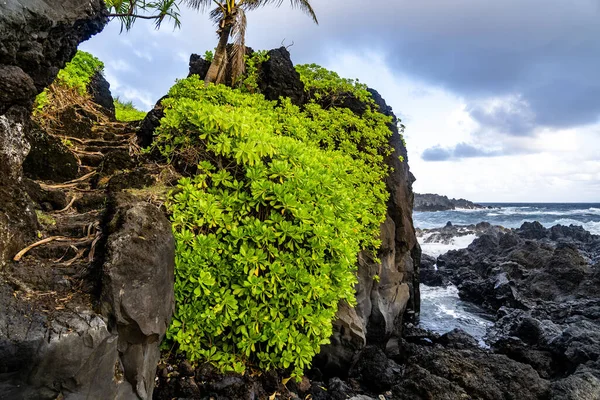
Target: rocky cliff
79, 313
436, 202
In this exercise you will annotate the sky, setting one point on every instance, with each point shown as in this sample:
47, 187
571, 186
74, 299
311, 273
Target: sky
501, 100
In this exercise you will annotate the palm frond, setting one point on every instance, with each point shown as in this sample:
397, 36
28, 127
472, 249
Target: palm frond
201, 5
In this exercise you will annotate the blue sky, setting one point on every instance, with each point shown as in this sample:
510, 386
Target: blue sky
501, 100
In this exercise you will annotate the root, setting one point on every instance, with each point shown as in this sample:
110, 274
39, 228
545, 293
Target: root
68, 184
75, 197
83, 240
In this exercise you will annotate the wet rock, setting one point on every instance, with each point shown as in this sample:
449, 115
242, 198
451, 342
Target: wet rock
137, 287
458, 339
429, 275
49, 159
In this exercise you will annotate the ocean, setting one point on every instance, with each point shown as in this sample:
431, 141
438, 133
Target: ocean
512, 215
441, 308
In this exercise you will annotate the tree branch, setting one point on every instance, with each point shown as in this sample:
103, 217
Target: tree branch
136, 16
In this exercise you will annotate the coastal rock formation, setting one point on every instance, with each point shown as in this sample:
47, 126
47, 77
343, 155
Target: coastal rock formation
436, 202
383, 303
37, 38
543, 286
54, 342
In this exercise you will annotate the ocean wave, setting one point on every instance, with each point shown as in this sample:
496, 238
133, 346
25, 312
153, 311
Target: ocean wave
592, 227
515, 211
437, 249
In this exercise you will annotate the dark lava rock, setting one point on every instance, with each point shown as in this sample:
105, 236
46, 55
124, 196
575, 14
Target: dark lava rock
438, 373
137, 287
49, 159
145, 135
458, 339
99, 89
375, 371
137, 179
56, 199
278, 77
428, 273
435, 202
198, 66
533, 230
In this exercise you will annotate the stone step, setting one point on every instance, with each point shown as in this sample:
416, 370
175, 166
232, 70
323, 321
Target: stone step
90, 200
105, 149
91, 160
75, 225
61, 250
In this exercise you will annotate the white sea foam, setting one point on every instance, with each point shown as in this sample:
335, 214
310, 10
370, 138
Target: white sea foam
436, 249
592, 227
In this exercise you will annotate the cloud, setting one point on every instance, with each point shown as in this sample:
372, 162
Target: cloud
457, 152
511, 115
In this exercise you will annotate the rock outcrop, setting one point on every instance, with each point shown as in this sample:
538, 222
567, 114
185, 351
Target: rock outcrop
81, 313
436, 202
37, 38
387, 291
543, 286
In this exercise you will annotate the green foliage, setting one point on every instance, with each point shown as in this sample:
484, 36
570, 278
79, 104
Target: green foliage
209, 55
269, 228
125, 111
79, 71
129, 11
253, 63
77, 75
327, 87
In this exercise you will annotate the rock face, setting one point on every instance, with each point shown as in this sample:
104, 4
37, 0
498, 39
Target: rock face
435, 202
37, 38
99, 89
384, 301
137, 288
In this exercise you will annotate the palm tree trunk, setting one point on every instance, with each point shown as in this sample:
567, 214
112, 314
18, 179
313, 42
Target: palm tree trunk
220, 59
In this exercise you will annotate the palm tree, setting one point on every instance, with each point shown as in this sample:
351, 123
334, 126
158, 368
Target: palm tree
230, 16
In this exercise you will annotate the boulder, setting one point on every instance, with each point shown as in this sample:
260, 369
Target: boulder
49, 159
278, 77
137, 287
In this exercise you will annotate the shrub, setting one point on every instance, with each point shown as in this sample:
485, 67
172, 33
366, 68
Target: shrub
269, 229
125, 111
76, 76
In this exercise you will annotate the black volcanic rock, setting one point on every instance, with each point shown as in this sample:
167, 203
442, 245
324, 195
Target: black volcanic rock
37, 38
435, 202
278, 77
49, 159
99, 89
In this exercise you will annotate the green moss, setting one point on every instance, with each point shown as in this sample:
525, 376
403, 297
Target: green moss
45, 219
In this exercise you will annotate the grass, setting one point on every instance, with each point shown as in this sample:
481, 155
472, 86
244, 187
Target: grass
126, 112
